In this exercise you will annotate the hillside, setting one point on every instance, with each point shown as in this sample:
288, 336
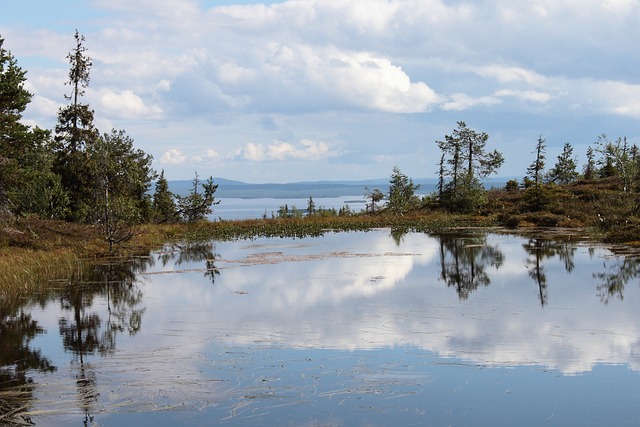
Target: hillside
242, 190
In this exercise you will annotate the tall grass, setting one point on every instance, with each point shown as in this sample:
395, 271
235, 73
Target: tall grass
24, 271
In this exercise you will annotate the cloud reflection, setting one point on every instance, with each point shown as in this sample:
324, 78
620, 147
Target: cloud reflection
359, 292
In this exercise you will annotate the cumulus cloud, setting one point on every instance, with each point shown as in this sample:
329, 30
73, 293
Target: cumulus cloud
281, 151
173, 157
208, 156
175, 65
125, 104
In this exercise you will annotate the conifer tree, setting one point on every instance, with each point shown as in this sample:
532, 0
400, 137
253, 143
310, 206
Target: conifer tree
163, 205
75, 131
565, 169
536, 169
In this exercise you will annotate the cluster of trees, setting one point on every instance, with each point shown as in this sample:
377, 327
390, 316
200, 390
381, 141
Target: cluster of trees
76, 173
465, 162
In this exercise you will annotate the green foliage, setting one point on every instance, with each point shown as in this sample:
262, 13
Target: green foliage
27, 182
164, 208
121, 178
375, 196
38, 189
465, 162
536, 169
311, 206
590, 170
74, 133
469, 195
543, 197
198, 203
565, 169
512, 185
618, 159
402, 192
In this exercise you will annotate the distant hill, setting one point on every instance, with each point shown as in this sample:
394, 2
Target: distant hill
237, 189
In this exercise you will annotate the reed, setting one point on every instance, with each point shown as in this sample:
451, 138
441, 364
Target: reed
25, 272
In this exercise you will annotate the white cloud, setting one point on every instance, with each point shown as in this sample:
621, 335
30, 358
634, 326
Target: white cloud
282, 151
183, 68
208, 156
461, 101
526, 95
507, 74
173, 157
125, 104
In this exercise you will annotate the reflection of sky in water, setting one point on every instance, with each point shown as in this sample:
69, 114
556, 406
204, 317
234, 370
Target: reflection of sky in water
324, 323
363, 292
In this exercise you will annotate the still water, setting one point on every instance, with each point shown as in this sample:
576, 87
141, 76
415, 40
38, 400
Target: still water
238, 209
360, 329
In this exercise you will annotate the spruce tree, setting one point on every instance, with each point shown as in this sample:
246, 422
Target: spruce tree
75, 131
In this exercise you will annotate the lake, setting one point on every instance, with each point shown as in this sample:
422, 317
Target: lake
238, 209
370, 328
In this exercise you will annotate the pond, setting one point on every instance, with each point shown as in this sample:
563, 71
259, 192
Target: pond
361, 329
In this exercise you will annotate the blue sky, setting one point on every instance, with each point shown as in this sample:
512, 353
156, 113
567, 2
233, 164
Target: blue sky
336, 89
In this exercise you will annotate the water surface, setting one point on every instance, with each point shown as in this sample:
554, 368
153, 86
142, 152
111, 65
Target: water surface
367, 328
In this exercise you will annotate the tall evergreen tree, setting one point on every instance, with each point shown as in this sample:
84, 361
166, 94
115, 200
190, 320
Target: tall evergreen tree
163, 205
75, 132
198, 203
27, 184
14, 99
565, 169
536, 169
589, 171
401, 191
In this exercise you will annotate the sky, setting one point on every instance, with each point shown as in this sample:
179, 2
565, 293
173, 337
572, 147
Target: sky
308, 90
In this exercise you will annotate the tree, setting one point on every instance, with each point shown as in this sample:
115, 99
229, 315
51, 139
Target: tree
468, 163
617, 160
565, 169
311, 206
122, 177
401, 192
75, 132
27, 183
589, 170
164, 207
197, 205
536, 169
375, 196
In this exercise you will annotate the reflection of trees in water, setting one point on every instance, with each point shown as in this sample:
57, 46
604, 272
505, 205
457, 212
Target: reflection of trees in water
397, 234
615, 277
540, 249
86, 331
464, 261
192, 252
17, 358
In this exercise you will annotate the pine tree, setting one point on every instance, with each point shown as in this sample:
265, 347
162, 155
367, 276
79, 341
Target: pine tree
163, 205
589, 171
467, 163
75, 131
565, 169
536, 169
402, 191
198, 203
27, 183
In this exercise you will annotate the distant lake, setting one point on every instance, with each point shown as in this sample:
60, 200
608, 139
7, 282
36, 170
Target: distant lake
235, 208
374, 328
